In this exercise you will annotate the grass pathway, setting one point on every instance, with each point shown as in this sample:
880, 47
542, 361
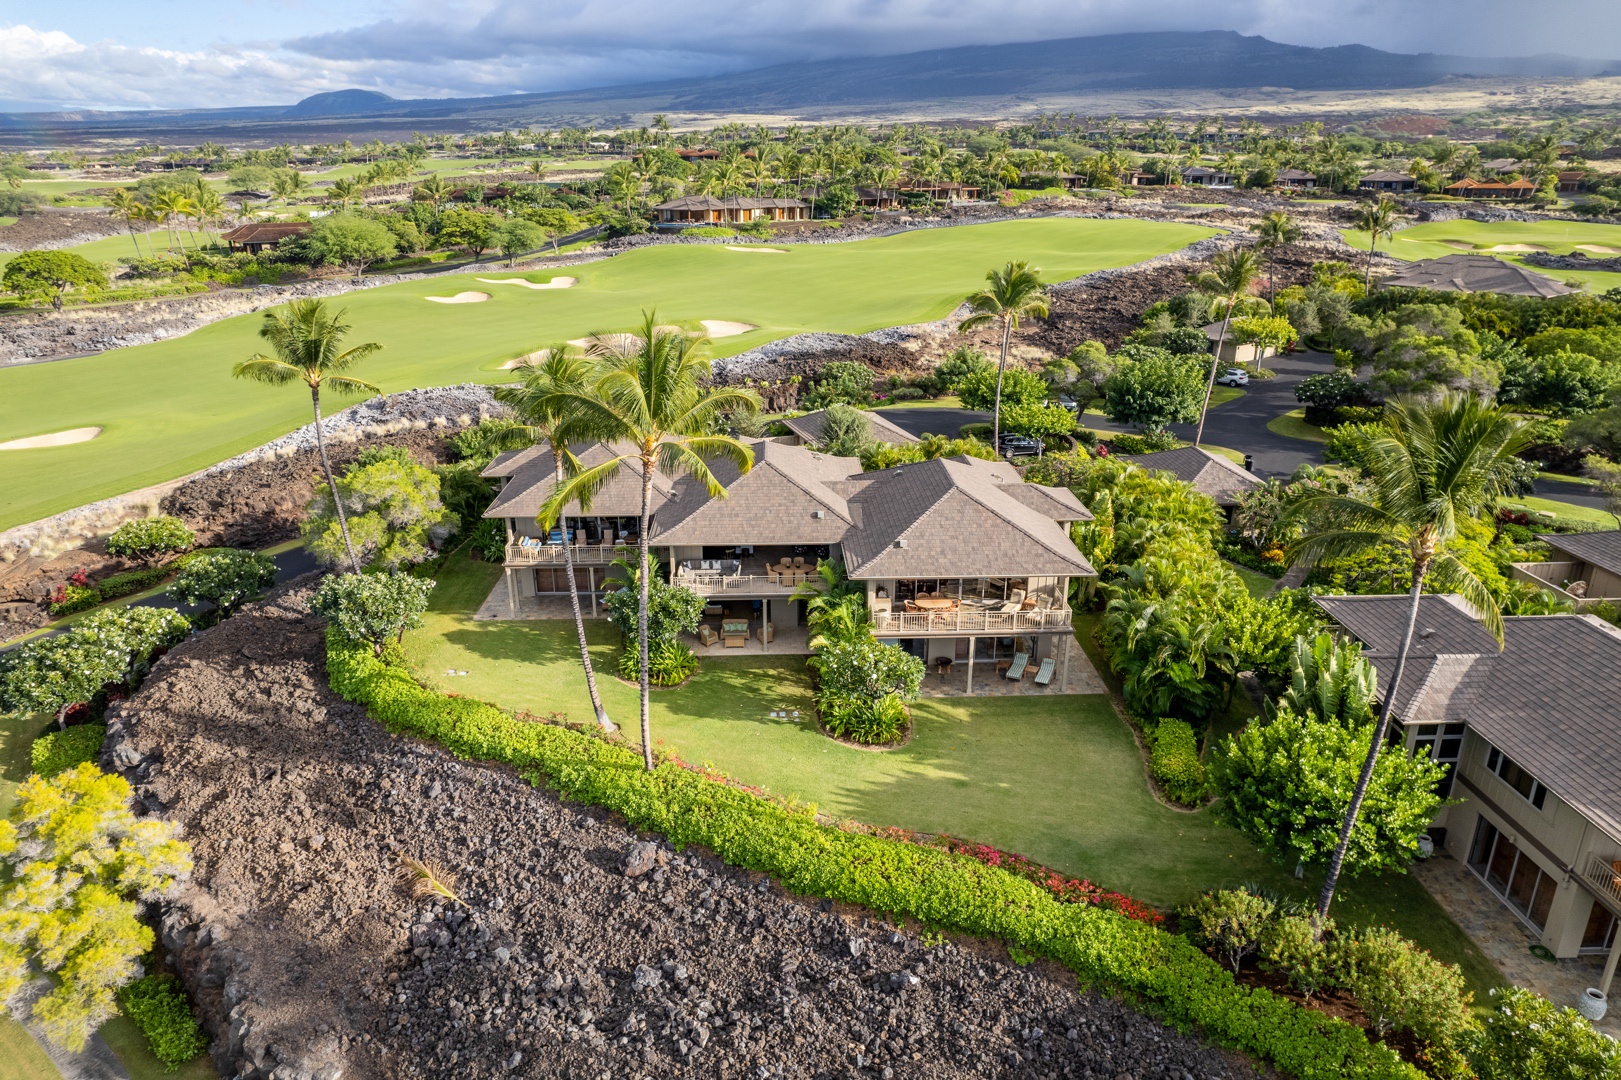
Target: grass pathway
171, 407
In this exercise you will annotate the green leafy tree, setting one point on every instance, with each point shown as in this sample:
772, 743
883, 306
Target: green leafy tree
1228, 281
654, 396
1273, 332
1439, 464
79, 858
224, 579
1015, 293
516, 237
395, 516
837, 200
888, 455
1565, 382
149, 539
671, 611
1155, 391
843, 382
372, 607
1037, 419
1330, 680
51, 274
845, 432
864, 667
49, 675
350, 241
1426, 349
977, 389
961, 362
1287, 783
469, 229
1527, 1037
543, 406
1376, 219
306, 339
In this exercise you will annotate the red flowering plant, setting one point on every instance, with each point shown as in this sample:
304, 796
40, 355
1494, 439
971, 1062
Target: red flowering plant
1064, 890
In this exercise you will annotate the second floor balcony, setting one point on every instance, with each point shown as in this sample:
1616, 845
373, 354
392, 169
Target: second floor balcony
529, 552
971, 616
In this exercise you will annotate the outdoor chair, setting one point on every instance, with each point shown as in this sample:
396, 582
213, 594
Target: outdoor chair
1016, 669
798, 562
707, 635
773, 575
767, 633
1044, 676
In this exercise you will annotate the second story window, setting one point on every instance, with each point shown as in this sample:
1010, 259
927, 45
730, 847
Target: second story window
1517, 778
1442, 744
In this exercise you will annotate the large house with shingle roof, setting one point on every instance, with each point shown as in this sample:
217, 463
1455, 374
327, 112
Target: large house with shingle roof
807, 428
1210, 474
731, 210
962, 561
1531, 736
1584, 568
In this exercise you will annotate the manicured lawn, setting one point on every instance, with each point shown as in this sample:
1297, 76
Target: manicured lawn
1221, 395
20, 1056
1256, 582
1056, 778
171, 407
1433, 239
1530, 504
110, 249
1292, 424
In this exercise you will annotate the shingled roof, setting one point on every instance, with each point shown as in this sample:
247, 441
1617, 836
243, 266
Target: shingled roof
784, 499
1601, 549
1476, 273
1550, 700
810, 426
531, 480
1210, 474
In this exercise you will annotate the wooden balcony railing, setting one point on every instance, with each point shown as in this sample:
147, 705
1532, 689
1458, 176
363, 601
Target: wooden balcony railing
970, 621
1600, 875
552, 554
720, 583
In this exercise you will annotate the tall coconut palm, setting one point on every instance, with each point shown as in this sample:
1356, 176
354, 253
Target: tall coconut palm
125, 205
345, 191
307, 342
652, 399
209, 206
1229, 279
1275, 230
1376, 219
540, 403
1015, 293
1441, 462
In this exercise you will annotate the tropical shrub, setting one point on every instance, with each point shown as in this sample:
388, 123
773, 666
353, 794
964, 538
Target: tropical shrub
372, 607
1037, 419
1526, 1037
843, 382
70, 598
1176, 763
1347, 443
977, 389
962, 362
867, 668
395, 513
1286, 783
1149, 442
56, 751
130, 582
1231, 921
489, 540
671, 612
149, 539
937, 887
1330, 680
479, 444
465, 493
223, 579
51, 274
78, 860
49, 675
1298, 946
863, 720
709, 231
1402, 987
845, 432
158, 1006
669, 663
889, 455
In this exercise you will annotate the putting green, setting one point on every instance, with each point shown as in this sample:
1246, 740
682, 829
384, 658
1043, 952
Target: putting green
1433, 239
171, 407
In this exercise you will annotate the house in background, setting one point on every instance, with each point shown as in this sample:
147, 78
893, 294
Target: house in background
1234, 351
1394, 183
1571, 181
1531, 740
1295, 180
1491, 189
1499, 166
733, 209
1585, 568
1210, 474
964, 564
806, 430
255, 236
1205, 176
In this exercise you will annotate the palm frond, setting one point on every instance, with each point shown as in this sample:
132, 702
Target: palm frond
1451, 575
266, 369
342, 384
581, 487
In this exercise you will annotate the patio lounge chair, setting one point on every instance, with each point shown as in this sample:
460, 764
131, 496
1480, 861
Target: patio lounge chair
1016, 670
1045, 675
707, 635
766, 633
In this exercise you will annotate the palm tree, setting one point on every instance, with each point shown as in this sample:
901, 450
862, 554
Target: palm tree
1441, 462
1376, 219
537, 169
346, 191
651, 395
1015, 294
209, 206
1275, 230
125, 205
434, 190
539, 403
1229, 279
306, 339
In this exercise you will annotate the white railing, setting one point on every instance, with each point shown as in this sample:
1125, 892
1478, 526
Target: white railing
970, 621
718, 582
552, 554
1602, 877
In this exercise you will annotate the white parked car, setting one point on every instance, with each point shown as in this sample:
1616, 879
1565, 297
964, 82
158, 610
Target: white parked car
1233, 377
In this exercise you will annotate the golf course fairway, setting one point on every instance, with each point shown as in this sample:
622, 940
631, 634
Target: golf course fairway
169, 408
1506, 240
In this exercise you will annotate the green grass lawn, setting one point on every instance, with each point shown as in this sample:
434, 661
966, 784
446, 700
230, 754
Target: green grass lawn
1530, 504
1056, 778
1433, 239
109, 249
1221, 395
171, 407
1292, 424
1256, 582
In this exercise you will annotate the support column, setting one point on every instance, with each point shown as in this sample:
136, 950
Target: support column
591, 576
1063, 678
512, 594
765, 624
970, 688
1609, 966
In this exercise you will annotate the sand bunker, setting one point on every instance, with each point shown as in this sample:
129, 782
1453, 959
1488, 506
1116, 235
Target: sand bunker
722, 328
1598, 249
620, 342
460, 298
55, 438
554, 283
756, 250
1461, 245
1516, 247
526, 359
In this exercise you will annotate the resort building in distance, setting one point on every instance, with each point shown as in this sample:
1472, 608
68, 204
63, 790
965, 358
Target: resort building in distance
962, 561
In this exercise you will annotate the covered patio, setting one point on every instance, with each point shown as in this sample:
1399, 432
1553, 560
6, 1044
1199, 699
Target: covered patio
1073, 674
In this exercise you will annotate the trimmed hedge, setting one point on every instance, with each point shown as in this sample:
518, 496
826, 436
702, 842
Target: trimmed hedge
56, 751
936, 887
1176, 763
131, 581
158, 1005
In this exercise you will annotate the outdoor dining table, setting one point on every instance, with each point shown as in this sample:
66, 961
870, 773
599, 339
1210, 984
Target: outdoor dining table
941, 604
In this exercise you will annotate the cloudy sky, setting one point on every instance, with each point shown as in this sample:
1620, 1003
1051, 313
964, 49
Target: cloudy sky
191, 53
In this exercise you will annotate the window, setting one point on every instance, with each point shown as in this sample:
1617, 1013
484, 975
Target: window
1600, 932
1442, 744
1517, 778
1512, 874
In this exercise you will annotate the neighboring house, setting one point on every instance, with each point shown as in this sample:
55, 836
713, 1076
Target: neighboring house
867, 198
1499, 166
947, 190
1584, 567
733, 209
1531, 737
255, 236
962, 560
1205, 176
1475, 273
1296, 180
807, 429
1210, 474
687, 153
1234, 351
1138, 178
1491, 189
1571, 181
1384, 180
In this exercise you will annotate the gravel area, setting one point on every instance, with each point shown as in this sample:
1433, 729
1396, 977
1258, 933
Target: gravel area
580, 949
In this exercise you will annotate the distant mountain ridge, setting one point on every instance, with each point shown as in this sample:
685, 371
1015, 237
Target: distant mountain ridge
1169, 60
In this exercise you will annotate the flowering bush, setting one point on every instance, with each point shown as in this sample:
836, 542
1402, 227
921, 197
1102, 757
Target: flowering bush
50, 675
150, 538
1063, 889
68, 599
